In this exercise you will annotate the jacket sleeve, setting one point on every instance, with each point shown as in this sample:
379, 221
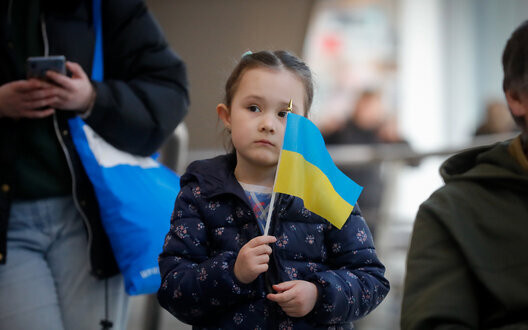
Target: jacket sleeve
438, 291
144, 94
195, 287
355, 285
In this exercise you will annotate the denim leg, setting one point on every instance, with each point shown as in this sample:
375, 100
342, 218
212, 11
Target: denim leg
57, 229
81, 295
28, 299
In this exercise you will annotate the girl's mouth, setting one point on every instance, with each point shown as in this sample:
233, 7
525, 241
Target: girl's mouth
264, 142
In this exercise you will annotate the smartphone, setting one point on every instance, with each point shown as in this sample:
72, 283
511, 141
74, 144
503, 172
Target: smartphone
38, 65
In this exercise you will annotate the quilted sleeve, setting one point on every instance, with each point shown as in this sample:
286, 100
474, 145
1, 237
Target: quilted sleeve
355, 284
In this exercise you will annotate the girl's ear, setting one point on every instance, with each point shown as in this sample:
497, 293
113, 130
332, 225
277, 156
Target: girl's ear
517, 106
224, 115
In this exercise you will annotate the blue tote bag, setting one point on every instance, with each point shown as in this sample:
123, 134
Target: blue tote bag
135, 194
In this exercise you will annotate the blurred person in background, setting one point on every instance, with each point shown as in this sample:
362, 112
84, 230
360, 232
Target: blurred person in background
497, 119
368, 124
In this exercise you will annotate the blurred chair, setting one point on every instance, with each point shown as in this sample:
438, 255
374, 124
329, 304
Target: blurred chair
175, 151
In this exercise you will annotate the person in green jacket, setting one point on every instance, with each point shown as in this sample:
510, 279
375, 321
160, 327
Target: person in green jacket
467, 266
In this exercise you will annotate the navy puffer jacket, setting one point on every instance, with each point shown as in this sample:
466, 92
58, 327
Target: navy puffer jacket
212, 220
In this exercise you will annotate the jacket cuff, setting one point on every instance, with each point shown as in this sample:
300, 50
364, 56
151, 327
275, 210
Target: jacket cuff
101, 107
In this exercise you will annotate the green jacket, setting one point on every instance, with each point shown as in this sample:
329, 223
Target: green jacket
467, 266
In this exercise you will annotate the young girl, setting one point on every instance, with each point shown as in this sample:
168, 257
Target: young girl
218, 270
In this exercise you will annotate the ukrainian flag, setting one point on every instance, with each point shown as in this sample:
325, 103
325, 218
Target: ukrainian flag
307, 171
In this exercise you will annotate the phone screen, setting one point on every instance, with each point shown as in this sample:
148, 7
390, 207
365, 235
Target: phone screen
37, 66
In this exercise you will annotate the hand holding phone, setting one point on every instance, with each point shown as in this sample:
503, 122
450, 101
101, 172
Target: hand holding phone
26, 99
75, 92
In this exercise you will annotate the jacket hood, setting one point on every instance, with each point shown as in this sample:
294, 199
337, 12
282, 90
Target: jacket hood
487, 163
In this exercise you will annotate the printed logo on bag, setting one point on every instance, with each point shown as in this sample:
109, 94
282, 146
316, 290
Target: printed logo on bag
149, 272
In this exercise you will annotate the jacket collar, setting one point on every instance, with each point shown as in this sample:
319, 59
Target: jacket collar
215, 176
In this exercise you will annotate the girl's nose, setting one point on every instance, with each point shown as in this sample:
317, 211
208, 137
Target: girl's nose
267, 124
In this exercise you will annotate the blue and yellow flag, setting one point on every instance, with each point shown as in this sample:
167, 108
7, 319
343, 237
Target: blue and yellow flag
307, 171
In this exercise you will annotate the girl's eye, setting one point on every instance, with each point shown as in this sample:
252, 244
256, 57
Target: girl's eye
254, 108
283, 114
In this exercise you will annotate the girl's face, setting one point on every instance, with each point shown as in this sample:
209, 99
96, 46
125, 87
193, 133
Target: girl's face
257, 118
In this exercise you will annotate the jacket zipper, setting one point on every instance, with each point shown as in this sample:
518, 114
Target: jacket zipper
74, 182
65, 150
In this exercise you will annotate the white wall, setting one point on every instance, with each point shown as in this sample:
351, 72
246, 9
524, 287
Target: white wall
450, 65
420, 75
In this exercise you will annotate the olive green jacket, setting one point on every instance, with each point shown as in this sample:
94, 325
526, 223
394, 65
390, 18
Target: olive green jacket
467, 266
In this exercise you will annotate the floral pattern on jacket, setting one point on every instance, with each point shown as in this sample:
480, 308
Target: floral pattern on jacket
212, 220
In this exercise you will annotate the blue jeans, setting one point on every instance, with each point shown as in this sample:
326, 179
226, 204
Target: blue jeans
46, 283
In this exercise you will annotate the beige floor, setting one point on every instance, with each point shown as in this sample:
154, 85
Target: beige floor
141, 319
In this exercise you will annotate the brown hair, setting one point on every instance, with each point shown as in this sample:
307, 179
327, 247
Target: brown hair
515, 64
274, 60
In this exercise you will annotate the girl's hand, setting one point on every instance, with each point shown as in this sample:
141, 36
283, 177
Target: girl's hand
253, 258
75, 93
296, 298
26, 99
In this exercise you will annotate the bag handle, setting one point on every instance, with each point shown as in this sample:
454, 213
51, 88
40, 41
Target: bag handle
97, 64
98, 75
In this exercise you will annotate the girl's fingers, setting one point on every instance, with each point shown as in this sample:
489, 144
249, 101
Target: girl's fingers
284, 286
262, 268
289, 309
262, 259
262, 249
261, 240
281, 298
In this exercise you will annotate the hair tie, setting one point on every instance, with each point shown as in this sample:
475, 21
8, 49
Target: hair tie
246, 53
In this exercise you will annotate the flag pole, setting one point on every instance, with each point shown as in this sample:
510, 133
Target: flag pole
272, 202
268, 219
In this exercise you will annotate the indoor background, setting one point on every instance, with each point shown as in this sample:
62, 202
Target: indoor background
436, 61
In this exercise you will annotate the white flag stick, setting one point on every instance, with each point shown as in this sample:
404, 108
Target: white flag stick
272, 202
270, 210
